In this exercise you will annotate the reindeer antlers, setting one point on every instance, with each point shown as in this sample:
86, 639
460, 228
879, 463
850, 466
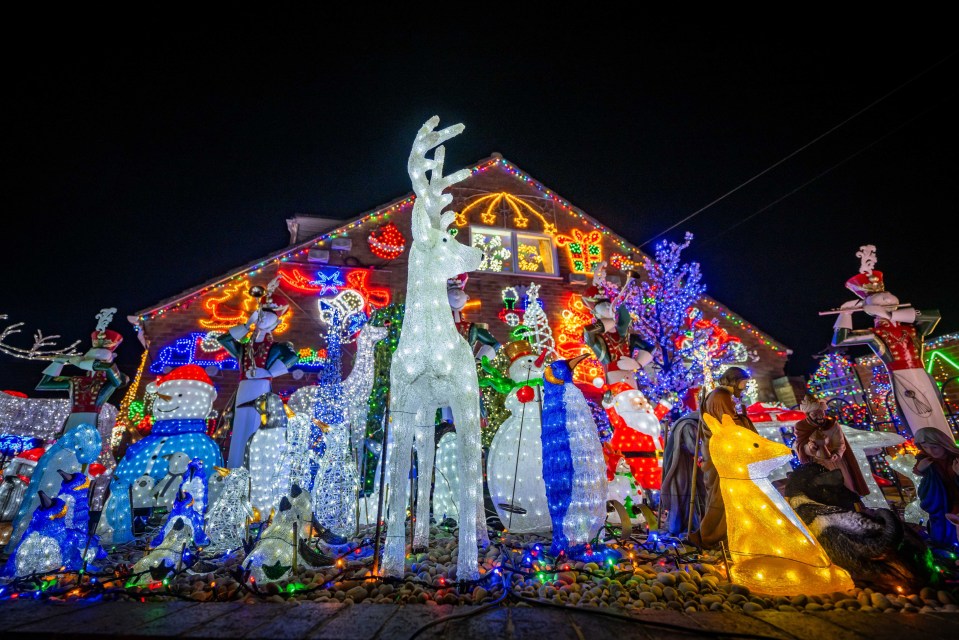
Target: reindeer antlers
429, 194
42, 349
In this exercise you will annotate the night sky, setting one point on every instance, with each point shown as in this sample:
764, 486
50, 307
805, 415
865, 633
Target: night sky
140, 163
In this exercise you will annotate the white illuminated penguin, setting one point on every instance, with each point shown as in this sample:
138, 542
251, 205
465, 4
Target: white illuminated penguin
266, 453
514, 464
164, 491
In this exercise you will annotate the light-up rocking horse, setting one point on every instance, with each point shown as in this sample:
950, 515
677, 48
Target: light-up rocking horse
433, 366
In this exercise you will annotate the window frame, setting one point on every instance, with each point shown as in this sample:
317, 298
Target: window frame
514, 254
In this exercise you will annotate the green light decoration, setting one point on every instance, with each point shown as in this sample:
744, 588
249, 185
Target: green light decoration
939, 355
493, 400
391, 317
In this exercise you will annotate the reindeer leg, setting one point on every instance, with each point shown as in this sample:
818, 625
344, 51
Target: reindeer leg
394, 553
425, 441
466, 416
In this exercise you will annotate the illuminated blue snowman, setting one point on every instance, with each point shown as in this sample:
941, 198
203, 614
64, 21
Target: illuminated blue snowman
184, 399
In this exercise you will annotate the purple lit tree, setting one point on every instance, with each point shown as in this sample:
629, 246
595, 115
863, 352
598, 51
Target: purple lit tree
686, 347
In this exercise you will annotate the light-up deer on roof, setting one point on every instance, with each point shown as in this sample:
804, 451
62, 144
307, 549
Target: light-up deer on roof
433, 365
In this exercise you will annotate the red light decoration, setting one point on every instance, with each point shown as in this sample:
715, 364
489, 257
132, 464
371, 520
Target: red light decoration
376, 297
15, 394
569, 339
32, 454
621, 262
525, 394
226, 313
386, 241
585, 249
356, 279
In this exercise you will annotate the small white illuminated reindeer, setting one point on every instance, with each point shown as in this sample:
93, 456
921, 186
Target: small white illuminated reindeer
433, 365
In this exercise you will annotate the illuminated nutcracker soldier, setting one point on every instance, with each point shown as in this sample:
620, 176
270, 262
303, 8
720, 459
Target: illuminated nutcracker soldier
897, 339
89, 391
261, 359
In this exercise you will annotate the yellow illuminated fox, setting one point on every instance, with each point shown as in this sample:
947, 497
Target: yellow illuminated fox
771, 550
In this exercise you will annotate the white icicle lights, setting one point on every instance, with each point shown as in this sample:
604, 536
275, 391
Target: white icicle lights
433, 365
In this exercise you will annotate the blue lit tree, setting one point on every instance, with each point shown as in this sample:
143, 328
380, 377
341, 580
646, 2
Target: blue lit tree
686, 347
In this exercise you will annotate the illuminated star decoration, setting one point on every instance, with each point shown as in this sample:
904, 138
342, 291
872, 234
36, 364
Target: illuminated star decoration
328, 282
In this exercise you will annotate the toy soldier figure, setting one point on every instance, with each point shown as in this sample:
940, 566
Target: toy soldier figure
897, 339
260, 359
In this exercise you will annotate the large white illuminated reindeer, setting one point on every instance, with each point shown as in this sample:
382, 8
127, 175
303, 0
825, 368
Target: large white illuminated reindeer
433, 365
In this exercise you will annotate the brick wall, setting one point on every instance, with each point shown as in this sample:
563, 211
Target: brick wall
484, 287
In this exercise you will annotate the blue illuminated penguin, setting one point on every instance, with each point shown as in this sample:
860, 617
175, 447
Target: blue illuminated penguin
46, 542
75, 491
185, 509
574, 469
75, 448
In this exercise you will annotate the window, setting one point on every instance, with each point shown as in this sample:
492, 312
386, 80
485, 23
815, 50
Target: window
516, 252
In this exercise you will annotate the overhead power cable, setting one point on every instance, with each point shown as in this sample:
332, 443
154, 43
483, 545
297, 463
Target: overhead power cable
819, 175
797, 151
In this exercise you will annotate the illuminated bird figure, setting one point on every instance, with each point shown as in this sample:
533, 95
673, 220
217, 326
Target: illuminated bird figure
45, 544
75, 448
230, 512
574, 469
266, 454
184, 509
75, 491
163, 560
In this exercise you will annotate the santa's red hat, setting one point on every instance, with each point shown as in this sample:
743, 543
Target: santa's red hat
864, 284
106, 339
186, 372
458, 282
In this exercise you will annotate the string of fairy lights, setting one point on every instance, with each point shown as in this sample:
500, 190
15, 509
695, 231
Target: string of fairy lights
381, 216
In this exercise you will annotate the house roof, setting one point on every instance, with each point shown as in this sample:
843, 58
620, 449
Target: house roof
326, 229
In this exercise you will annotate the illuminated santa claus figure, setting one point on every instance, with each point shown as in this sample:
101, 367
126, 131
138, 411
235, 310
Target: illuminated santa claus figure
184, 400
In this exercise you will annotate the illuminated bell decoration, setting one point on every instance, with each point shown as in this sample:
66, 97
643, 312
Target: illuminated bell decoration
772, 551
869, 443
387, 241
